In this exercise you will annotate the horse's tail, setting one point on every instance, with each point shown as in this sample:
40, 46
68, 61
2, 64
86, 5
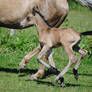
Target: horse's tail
87, 33
87, 3
90, 5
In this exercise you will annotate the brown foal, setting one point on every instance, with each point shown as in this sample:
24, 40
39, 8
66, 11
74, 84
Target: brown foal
53, 37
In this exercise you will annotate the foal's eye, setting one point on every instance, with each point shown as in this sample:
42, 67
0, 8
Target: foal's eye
28, 18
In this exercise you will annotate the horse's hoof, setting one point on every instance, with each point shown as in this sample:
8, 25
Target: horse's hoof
22, 65
62, 85
75, 72
33, 78
62, 82
55, 81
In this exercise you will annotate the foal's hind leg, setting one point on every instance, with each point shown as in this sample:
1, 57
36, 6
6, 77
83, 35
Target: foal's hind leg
82, 55
72, 60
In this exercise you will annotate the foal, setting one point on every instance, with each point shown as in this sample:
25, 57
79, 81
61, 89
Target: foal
53, 37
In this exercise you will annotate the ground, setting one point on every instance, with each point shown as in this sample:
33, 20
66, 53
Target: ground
13, 48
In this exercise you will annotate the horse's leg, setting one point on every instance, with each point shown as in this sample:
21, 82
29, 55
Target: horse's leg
82, 55
28, 57
12, 31
50, 58
59, 20
44, 50
62, 17
72, 60
41, 70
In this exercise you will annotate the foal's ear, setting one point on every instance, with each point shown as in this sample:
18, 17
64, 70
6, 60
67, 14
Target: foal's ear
35, 10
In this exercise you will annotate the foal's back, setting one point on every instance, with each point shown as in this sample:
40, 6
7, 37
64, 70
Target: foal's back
68, 35
64, 34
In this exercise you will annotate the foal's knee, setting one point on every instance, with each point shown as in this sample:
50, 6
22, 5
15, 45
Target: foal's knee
26, 59
83, 52
38, 59
73, 59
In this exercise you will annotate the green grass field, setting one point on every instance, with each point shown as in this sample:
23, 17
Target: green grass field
12, 50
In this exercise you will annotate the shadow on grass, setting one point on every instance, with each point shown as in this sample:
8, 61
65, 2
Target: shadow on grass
76, 85
9, 70
66, 84
32, 71
48, 73
58, 85
26, 71
82, 74
44, 83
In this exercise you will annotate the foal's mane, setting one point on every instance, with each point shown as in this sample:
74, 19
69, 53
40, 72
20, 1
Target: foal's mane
36, 10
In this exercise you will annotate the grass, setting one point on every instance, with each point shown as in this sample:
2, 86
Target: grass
12, 50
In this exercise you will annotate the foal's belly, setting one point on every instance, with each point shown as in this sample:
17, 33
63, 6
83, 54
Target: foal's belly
56, 45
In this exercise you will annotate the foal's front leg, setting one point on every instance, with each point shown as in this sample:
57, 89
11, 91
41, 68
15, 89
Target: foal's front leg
28, 57
43, 52
41, 71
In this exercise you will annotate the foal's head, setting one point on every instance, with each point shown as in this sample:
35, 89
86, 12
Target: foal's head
27, 21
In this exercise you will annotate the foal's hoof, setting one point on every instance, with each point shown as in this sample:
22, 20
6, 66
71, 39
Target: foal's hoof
62, 82
75, 72
22, 65
56, 80
33, 78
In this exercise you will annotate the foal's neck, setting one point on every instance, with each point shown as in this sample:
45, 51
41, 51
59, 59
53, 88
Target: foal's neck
40, 23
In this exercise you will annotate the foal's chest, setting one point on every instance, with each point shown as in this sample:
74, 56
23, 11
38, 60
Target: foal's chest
50, 39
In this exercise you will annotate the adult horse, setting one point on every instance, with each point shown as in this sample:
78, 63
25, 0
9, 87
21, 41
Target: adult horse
12, 12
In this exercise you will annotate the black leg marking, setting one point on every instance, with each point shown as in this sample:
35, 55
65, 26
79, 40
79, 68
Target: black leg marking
75, 72
41, 45
54, 70
62, 82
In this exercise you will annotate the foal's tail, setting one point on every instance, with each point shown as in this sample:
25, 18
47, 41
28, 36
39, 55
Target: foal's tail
86, 33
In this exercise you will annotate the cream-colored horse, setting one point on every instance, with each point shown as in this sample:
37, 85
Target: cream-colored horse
12, 12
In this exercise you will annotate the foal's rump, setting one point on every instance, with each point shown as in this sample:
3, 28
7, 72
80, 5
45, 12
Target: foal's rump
69, 34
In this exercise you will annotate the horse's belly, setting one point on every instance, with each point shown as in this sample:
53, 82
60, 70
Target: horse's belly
12, 11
